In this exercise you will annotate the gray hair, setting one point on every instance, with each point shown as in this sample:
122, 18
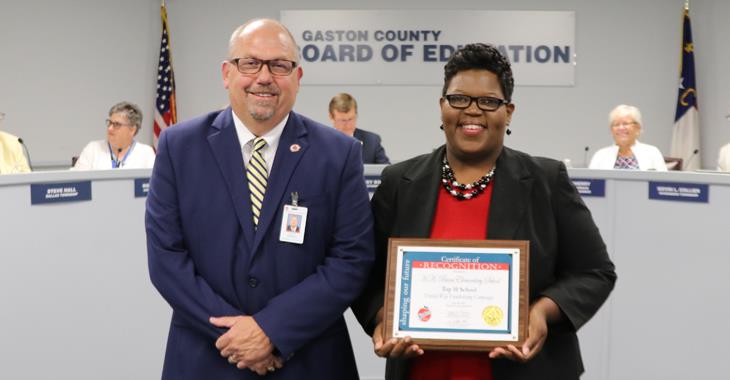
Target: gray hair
237, 33
625, 110
131, 111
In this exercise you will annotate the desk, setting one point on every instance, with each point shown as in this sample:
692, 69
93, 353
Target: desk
74, 287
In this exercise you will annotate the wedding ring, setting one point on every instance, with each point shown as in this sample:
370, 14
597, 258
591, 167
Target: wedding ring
231, 359
271, 369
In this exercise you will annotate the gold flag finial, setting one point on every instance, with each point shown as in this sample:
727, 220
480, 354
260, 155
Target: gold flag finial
686, 5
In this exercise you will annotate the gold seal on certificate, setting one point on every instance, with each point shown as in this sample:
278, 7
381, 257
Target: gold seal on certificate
457, 294
492, 315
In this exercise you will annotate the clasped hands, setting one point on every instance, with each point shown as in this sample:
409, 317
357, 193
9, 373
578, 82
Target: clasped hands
246, 345
537, 330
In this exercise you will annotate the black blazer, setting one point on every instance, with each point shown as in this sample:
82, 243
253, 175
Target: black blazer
533, 199
372, 151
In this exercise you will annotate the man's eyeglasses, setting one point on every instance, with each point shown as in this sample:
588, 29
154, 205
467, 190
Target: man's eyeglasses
116, 124
484, 103
278, 67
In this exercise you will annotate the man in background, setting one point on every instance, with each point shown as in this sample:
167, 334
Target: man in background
343, 114
12, 159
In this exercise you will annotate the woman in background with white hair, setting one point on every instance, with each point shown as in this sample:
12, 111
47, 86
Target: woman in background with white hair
627, 152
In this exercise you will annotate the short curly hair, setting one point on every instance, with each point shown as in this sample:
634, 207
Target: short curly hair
131, 111
480, 56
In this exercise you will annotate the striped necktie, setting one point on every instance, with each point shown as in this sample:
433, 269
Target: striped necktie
257, 175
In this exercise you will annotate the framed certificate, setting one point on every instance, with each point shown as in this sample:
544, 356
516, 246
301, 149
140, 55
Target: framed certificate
465, 295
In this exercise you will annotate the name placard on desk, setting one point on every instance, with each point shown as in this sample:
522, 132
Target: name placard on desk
679, 191
589, 187
372, 182
141, 187
42, 193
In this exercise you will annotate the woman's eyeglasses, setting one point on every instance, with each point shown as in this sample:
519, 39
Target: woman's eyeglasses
484, 103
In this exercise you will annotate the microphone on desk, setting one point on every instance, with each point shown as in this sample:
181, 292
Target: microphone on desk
694, 153
27, 153
585, 155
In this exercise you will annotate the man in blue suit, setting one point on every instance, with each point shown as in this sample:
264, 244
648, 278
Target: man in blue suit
248, 298
343, 115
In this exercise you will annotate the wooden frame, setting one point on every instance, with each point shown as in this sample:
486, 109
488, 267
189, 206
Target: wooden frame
455, 257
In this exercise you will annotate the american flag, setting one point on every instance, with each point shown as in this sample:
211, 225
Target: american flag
165, 108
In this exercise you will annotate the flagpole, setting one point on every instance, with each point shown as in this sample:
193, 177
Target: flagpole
165, 103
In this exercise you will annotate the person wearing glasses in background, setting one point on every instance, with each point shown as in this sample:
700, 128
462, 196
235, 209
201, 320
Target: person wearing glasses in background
12, 159
249, 297
627, 152
120, 150
474, 187
343, 115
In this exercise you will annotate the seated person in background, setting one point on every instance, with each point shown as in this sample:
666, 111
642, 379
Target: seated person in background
343, 114
628, 152
119, 150
12, 159
723, 162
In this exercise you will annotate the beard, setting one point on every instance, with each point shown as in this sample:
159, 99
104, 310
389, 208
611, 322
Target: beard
261, 113
262, 110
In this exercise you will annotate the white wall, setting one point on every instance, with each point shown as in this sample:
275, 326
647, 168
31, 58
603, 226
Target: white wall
63, 64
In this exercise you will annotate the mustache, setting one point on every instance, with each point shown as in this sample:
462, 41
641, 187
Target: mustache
267, 89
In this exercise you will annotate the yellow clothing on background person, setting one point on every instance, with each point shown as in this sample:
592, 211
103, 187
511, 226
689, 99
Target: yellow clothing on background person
12, 159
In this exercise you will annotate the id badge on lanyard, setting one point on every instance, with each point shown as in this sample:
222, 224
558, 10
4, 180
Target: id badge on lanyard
293, 221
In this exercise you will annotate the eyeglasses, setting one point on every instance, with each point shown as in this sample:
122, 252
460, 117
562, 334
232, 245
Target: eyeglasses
624, 124
116, 124
278, 67
484, 103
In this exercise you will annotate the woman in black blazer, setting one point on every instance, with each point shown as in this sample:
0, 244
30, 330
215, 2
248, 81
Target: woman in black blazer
532, 199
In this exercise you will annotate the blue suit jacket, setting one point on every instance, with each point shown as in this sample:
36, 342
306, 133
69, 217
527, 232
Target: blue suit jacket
206, 258
372, 151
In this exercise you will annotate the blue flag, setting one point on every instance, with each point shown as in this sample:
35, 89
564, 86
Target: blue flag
686, 134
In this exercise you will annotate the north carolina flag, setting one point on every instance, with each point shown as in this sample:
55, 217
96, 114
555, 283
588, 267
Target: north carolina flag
165, 107
686, 135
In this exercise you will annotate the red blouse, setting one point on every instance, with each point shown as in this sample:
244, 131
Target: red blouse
455, 219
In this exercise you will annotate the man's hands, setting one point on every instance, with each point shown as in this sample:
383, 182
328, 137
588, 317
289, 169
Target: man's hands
245, 344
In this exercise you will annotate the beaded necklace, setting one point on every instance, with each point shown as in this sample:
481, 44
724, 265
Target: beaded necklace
472, 189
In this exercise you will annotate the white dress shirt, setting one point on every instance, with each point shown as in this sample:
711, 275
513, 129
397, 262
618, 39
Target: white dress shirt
245, 137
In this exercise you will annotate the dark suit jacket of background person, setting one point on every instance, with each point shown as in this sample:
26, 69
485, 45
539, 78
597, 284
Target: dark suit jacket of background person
372, 150
206, 258
532, 199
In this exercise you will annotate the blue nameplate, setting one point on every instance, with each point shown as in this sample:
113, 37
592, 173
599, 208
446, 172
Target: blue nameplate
588, 187
679, 191
41, 193
372, 182
141, 187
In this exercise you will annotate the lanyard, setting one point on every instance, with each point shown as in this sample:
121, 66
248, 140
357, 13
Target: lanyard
117, 163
